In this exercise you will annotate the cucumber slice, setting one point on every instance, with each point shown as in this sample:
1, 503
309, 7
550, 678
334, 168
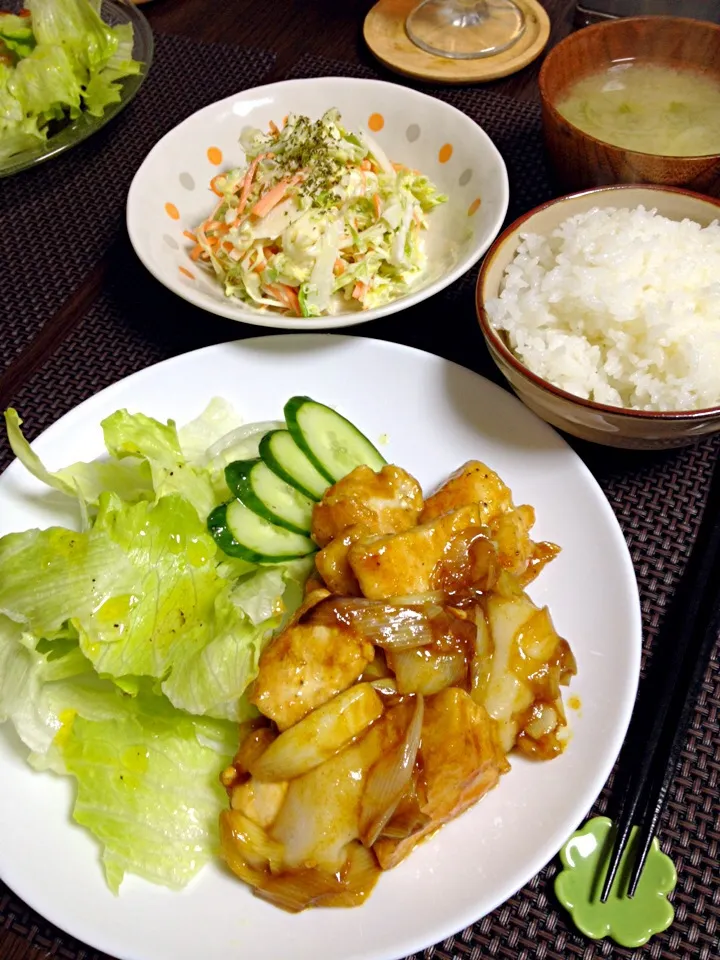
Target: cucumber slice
331, 443
241, 533
283, 456
255, 485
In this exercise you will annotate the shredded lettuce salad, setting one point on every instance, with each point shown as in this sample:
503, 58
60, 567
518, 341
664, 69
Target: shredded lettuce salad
126, 647
58, 58
318, 219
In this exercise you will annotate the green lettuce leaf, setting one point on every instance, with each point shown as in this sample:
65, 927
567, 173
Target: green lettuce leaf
45, 83
36, 690
103, 87
213, 679
147, 774
216, 420
126, 649
130, 478
147, 787
172, 607
48, 577
100, 55
184, 624
147, 597
16, 33
135, 435
59, 61
77, 26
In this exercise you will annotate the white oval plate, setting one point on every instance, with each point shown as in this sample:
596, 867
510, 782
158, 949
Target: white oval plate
436, 415
417, 130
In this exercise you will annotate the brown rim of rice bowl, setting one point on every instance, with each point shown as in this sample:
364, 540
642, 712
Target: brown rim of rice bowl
498, 340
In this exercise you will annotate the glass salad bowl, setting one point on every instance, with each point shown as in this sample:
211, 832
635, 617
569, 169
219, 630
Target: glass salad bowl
113, 12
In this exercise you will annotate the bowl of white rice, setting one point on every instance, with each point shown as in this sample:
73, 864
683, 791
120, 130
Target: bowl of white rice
602, 310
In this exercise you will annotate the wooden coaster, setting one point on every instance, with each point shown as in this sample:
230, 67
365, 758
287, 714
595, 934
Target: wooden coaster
384, 32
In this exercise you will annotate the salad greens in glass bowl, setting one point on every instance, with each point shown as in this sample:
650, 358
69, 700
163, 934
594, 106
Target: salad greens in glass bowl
67, 67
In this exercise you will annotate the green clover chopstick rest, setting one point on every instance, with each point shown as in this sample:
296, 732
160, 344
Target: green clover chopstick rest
630, 922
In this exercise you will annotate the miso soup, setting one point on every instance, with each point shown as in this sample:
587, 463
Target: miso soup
649, 108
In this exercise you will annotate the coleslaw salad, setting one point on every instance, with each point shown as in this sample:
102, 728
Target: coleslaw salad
319, 219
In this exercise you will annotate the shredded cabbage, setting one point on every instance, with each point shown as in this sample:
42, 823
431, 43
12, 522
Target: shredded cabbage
319, 220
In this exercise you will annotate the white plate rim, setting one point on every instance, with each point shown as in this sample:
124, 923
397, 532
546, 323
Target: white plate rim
546, 852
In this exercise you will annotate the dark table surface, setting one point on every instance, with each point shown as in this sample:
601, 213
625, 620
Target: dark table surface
658, 499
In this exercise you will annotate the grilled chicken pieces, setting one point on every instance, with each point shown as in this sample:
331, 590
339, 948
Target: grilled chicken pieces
384, 502
391, 700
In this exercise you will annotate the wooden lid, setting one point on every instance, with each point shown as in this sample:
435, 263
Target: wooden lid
384, 32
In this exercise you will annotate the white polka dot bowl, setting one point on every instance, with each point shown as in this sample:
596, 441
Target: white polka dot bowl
170, 193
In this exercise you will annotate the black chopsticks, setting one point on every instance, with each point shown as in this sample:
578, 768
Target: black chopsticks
691, 629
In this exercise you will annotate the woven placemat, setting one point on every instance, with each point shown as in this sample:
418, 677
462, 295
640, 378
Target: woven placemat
59, 219
658, 499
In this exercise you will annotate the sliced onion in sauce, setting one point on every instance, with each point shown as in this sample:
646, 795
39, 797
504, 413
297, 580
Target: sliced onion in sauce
481, 664
389, 779
388, 625
312, 887
418, 599
244, 840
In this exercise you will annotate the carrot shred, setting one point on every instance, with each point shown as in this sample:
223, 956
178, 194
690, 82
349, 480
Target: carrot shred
366, 165
213, 185
398, 167
359, 290
190, 235
227, 246
270, 199
273, 128
286, 294
247, 186
195, 252
285, 119
376, 204
339, 267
